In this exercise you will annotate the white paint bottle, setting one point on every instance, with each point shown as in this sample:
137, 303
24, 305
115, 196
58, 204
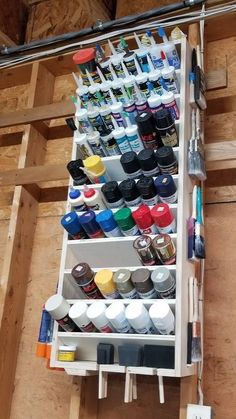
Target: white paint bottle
115, 313
138, 317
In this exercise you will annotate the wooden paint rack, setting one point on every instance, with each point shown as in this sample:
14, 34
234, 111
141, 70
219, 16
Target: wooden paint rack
115, 253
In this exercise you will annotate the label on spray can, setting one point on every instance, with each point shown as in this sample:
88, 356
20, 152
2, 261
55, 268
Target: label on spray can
106, 328
107, 97
171, 228
131, 295
149, 295
108, 121
124, 327
157, 86
150, 140
113, 233
134, 203
67, 324
150, 201
88, 327
117, 204
149, 329
153, 172
157, 61
135, 143
134, 231
169, 199
170, 293
150, 230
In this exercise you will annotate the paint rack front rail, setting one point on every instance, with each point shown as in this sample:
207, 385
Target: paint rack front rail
115, 253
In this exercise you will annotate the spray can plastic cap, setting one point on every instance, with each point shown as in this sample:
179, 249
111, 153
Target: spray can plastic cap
130, 162
146, 187
163, 118
162, 215
57, 306
165, 185
111, 192
71, 223
129, 189
106, 220
145, 122
89, 223
147, 159
142, 217
74, 193
165, 156
78, 313
74, 168
162, 279
84, 55
124, 219
137, 314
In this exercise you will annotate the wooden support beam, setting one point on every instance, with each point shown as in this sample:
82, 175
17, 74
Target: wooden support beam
221, 105
216, 79
188, 394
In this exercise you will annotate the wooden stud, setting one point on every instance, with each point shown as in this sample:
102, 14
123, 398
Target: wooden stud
216, 79
75, 398
188, 393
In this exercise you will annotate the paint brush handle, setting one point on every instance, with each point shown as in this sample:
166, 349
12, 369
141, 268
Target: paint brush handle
199, 205
195, 300
194, 203
190, 299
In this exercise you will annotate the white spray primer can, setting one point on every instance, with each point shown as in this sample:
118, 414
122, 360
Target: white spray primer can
162, 317
115, 313
96, 313
138, 317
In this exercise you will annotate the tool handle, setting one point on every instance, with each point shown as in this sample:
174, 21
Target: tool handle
194, 203
195, 301
199, 205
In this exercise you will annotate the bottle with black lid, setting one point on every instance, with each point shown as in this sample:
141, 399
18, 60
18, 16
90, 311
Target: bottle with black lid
166, 160
148, 162
130, 192
147, 129
147, 190
79, 177
131, 166
112, 195
166, 127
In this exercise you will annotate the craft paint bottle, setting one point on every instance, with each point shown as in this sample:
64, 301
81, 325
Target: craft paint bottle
82, 118
168, 100
79, 177
104, 281
124, 219
105, 66
115, 313
118, 90
90, 225
163, 218
154, 78
166, 127
116, 61
131, 166
165, 249
164, 282
95, 144
138, 317
129, 84
96, 120
85, 60
166, 189
84, 278
78, 314
170, 79
104, 87
96, 313
134, 137
145, 250
141, 106
107, 223
94, 92
130, 109
155, 102
147, 130
112, 195
141, 80
71, 224
148, 163
144, 221
121, 139
106, 115
95, 166
76, 200
155, 51
59, 308
93, 199
166, 160
83, 146
162, 317
109, 143
141, 279
147, 190
129, 60
83, 95
124, 285
170, 50
141, 54
130, 192
117, 109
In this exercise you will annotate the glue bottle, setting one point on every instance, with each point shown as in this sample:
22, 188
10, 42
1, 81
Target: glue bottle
170, 49
129, 83
120, 136
95, 168
117, 109
169, 76
129, 59
133, 137
141, 55
93, 199
116, 60
95, 118
155, 51
76, 200
81, 115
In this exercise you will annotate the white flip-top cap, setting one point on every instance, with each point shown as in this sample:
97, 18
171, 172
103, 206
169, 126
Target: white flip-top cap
57, 306
154, 75
131, 130
130, 80
78, 314
78, 137
114, 310
141, 78
81, 113
116, 107
167, 97
137, 315
118, 133
167, 72
94, 88
162, 316
154, 101
116, 59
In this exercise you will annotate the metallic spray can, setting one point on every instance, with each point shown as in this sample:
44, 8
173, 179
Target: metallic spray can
165, 249
145, 250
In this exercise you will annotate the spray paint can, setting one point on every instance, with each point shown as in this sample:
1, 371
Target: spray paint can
115, 313
164, 282
95, 144
130, 109
126, 223
166, 189
165, 249
147, 130
166, 160
138, 317
90, 225
147, 190
59, 308
96, 313
148, 162
107, 223
131, 166
124, 285
82, 117
169, 102
112, 195
166, 127
141, 279
84, 279
130, 192
142, 217
104, 281
163, 218
133, 137
79, 177
162, 317
145, 250
170, 79
78, 314
109, 143
72, 225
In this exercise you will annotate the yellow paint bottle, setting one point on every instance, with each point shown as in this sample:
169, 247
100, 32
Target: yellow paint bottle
66, 353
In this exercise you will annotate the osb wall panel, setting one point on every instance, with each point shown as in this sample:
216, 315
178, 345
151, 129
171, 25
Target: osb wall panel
124, 8
13, 19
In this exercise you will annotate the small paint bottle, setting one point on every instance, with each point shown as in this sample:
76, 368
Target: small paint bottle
142, 217
107, 223
165, 249
105, 66
84, 279
141, 105
130, 84
95, 144
130, 192
112, 195
138, 317
147, 130
105, 113
95, 166
77, 174
121, 139
104, 281
155, 103
90, 225
116, 61
141, 279
131, 111
155, 79
71, 224
162, 317
166, 189
163, 218
83, 95
141, 80
66, 353
85, 60
145, 250
125, 221
109, 143
147, 190
76, 200
169, 102
164, 282
116, 110
96, 120
105, 92
133, 137
118, 90
166, 160
166, 127
83, 146
94, 92
129, 60
93, 199
59, 308
97, 314
82, 118
115, 313
78, 314
148, 163
124, 285
170, 79
131, 166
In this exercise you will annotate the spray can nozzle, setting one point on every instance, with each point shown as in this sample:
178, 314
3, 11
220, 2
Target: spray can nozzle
162, 34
